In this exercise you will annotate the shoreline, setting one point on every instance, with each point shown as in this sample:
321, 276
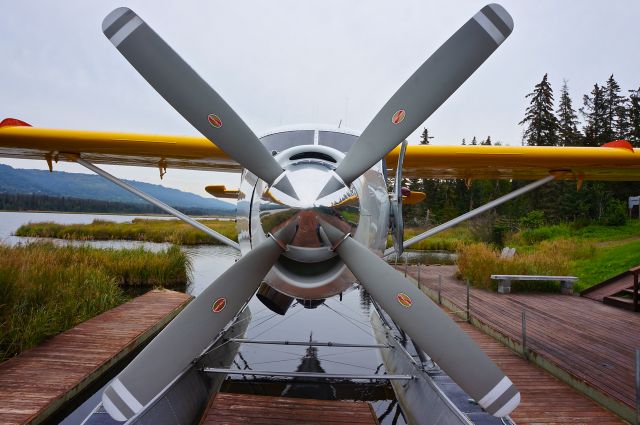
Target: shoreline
215, 217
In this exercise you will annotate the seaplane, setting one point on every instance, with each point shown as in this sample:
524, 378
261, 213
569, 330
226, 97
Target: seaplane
313, 208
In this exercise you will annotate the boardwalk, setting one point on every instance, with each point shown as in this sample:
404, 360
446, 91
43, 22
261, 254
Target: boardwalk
41, 380
545, 399
593, 342
232, 409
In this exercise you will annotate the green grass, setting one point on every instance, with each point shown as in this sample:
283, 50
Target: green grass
591, 232
615, 248
46, 289
448, 240
172, 231
606, 263
593, 253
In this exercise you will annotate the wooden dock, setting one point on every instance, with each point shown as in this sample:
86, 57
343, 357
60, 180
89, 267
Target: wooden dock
39, 382
544, 399
233, 409
585, 343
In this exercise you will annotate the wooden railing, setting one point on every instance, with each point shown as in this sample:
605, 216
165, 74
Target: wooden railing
636, 287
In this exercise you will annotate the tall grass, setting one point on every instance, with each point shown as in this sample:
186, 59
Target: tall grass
172, 231
477, 262
46, 289
448, 240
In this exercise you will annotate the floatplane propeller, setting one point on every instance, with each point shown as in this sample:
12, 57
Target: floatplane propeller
311, 191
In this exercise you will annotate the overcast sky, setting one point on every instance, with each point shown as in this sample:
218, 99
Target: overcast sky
300, 61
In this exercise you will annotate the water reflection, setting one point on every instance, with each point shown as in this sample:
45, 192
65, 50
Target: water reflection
317, 388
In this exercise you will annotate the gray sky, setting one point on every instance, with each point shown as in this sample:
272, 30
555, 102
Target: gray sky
291, 61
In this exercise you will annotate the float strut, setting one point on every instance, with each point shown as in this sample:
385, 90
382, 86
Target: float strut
473, 213
225, 240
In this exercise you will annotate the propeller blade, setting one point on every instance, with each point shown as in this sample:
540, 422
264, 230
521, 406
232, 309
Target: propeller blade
192, 331
432, 329
189, 94
426, 90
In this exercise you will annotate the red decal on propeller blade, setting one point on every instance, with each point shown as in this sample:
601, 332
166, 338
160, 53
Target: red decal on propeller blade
398, 117
215, 120
404, 299
219, 305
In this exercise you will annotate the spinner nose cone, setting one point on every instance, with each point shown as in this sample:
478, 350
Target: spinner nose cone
303, 187
341, 206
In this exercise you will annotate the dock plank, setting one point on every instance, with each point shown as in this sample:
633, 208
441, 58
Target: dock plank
232, 408
592, 342
40, 380
544, 399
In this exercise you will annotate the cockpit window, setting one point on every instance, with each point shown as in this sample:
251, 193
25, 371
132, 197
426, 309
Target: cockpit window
281, 141
339, 141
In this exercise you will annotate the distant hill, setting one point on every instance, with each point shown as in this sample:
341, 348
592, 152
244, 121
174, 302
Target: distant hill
94, 187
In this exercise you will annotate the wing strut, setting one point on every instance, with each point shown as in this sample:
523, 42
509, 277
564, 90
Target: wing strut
225, 240
486, 207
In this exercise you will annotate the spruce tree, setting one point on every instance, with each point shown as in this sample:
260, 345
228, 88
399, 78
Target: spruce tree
568, 134
464, 142
616, 123
633, 113
486, 142
595, 115
474, 141
541, 122
424, 137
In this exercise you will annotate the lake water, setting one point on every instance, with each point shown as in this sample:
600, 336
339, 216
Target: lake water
339, 319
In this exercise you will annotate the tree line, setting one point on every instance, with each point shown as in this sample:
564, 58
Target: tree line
607, 114
40, 202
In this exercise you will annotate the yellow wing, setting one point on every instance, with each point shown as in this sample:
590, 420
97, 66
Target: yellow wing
521, 162
147, 150
198, 153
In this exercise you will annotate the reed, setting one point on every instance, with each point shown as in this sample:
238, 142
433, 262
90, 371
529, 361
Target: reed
46, 289
448, 240
478, 261
171, 231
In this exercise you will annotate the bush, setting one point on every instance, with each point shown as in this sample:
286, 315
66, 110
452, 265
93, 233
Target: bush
533, 220
499, 231
482, 226
535, 236
615, 214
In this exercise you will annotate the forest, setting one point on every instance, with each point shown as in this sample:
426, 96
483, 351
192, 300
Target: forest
606, 114
41, 202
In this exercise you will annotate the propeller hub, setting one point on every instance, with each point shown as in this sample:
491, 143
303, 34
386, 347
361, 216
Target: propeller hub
309, 269
308, 176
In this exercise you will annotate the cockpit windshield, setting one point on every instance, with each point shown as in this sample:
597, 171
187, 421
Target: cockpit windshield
287, 139
338, 141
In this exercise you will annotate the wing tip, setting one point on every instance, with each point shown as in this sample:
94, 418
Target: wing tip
623, 144
13, 122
